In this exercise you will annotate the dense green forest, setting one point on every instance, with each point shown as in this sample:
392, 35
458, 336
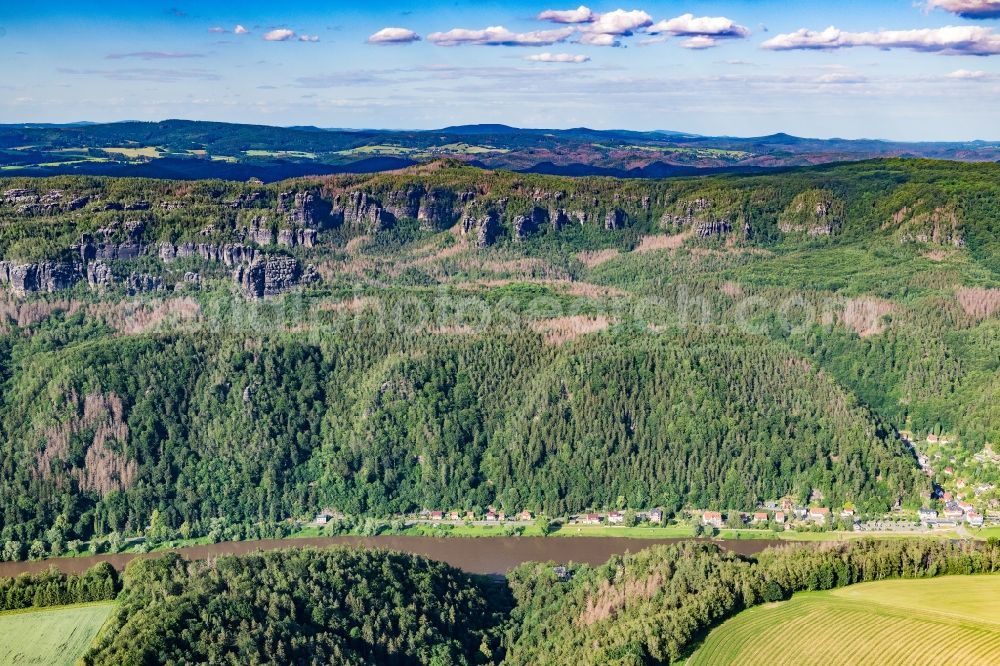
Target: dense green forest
213, 358
302, 607
53, 588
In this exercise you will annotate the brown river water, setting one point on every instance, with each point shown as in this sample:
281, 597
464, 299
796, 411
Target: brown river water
481, 555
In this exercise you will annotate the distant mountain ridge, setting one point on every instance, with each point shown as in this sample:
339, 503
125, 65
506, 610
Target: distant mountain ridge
191, 149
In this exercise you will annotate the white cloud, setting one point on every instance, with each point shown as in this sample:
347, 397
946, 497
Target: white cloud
607, 28
688, 25
841, 78
970, 9
968, 75
238, 30
499, 36
394, 36
581, 14
279, 35
649, 41
557, 57
949, 40
308, 38
599, 39
619, 22
699, 42
153, 55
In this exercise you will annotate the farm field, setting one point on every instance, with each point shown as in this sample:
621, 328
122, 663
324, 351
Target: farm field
947, 620
50, 636
144, 151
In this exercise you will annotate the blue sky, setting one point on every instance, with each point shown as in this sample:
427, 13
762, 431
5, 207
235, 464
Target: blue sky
907, 69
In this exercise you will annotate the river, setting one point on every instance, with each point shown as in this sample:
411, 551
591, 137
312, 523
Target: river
482, 555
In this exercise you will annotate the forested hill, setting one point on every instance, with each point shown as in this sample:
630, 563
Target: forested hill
302, 607
217, 357
187, 149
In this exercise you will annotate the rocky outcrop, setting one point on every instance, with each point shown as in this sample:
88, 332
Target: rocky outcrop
99, 275
117, 241
405, 204
304, 208
708, 228
137, 283
615, 219
259, 231
691, 214
29, 202
47, 276
296, 237
559, 219
486, 228
437, 208
815, 212
229, 254
525, 225
272, 275
244, 200
363, 211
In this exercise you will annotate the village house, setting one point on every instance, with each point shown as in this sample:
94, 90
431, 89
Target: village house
787, 505
946, 496
974, 519
953, 511
592, 519
437, 515
927, 514
960, 483
502, 516
491, 517
760, 517
323, 518
949, 471
616, 518
779, 517
819, 514
847, 512
656, 516
713, 518
966, 507
453, 515
470, 515
524, 515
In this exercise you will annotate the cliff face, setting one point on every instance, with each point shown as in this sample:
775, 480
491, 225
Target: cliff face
47, 276
271, 276
238, 225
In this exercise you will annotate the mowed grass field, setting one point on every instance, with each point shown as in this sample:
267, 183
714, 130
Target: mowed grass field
947, 620
51, 637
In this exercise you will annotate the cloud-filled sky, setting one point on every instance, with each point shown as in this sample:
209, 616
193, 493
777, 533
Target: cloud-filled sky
898, 69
